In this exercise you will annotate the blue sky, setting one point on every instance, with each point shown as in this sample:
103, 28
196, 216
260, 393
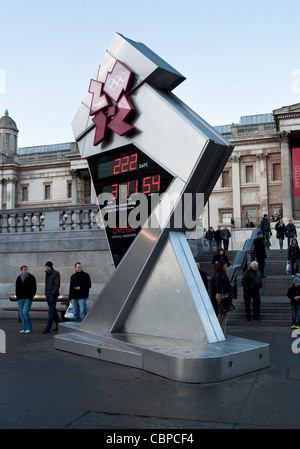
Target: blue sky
239, 57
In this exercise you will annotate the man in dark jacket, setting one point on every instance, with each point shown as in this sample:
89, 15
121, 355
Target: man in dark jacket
266, 230
252, 283
294, 295
25, 292
80, 284
52, 285
291, 231
260, 252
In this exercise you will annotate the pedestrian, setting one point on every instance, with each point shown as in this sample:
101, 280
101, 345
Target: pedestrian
52, 285
225, 234
80, 284
280, 232
252, 283
293, 256
213, 293
203, 276
266, 230
209, 236
294, 295
260, 252
220, 256
25, 292
291, 231
223, 288
218, 238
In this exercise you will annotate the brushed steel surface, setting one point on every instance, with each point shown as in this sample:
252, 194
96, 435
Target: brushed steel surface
154, 312
179, 360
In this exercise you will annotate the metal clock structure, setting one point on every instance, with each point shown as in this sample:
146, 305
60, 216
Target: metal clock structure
154, 312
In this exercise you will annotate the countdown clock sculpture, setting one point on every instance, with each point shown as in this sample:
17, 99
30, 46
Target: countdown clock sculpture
154, 312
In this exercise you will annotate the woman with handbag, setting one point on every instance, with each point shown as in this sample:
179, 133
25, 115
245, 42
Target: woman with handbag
223, 294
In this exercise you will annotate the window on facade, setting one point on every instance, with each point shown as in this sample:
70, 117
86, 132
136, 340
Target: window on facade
250, 217
87, 191
25, 193
7, 143
47, 192
69, 189
249, 173
226, 179
276, 172
226, 217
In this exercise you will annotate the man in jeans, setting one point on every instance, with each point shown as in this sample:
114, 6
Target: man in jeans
80, 284
25, 292
52, 285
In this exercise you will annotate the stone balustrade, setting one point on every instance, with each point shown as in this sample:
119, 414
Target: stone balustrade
63, 218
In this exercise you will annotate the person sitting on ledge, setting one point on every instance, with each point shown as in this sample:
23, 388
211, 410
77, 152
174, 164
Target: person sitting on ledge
220, 256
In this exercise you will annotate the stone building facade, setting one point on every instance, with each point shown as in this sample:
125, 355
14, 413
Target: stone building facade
257, 179
52, 175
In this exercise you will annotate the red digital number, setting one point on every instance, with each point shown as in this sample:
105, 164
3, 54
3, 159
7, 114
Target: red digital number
133, 163
132, 187
118, 166
151, 184
156, 182
125, 163
114, 191
147, 184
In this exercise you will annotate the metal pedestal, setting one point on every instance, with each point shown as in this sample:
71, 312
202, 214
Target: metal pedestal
178, 360
170, 329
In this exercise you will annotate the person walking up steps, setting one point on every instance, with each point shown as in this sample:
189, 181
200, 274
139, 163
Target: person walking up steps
294, 295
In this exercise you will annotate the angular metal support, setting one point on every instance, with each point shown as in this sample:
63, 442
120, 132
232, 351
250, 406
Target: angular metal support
154, 313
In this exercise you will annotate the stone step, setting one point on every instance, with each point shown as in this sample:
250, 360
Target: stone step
273, 313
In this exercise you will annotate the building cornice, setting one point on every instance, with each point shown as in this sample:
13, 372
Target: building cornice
254, 141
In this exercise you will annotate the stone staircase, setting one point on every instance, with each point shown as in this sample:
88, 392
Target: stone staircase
275, 306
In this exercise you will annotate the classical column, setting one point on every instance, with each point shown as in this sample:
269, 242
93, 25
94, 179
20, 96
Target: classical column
236, 189
1, 193
11, 192
286, 175
74, 187
263, 182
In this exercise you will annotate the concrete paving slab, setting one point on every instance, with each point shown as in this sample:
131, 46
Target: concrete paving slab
43, 388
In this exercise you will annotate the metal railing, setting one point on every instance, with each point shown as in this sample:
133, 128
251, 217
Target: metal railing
240, 260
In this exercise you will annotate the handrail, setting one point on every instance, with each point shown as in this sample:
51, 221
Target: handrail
240, 260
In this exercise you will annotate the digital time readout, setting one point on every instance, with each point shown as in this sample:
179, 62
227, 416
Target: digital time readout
130, 168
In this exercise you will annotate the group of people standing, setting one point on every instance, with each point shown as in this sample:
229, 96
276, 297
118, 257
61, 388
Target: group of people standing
281, 230
26, 286
290, 232
218, 236
220, 287
252, 280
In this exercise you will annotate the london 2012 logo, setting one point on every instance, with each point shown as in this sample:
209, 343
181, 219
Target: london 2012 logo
110, 105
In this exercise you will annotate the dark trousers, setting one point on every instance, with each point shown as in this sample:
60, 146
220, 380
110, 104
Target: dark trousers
53, 315
295, 266
261, 265
248, 294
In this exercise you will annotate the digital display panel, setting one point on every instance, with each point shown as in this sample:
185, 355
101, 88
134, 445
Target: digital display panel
133, 171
